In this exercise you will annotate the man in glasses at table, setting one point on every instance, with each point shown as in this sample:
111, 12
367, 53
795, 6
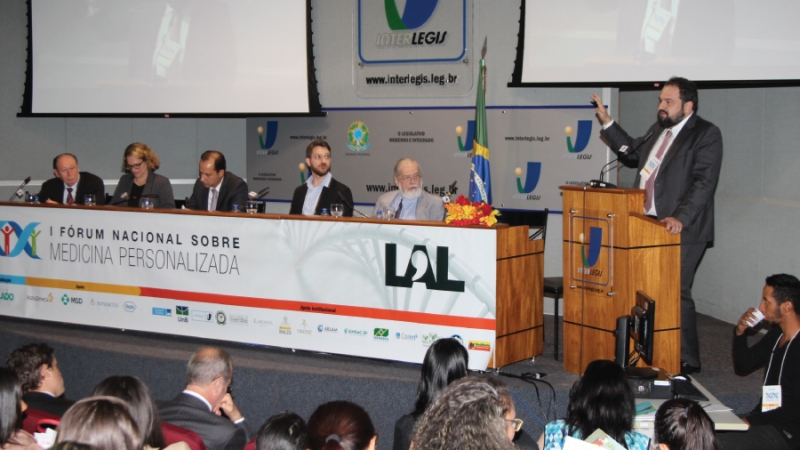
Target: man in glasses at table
320, 190
410, 201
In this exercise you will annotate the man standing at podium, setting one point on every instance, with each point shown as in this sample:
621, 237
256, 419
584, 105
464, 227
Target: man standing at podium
678, 160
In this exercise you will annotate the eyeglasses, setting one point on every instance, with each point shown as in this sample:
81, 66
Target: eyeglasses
135, 166
414, 177
517, 423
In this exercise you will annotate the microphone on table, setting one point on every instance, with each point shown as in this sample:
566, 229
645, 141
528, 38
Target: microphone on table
350, 205
19, 192
122, 199
624, 151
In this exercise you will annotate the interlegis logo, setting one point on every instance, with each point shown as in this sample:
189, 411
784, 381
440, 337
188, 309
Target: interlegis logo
595, 243
534, 172
267, 137
26, 239
581, 141
415, 14
465, 146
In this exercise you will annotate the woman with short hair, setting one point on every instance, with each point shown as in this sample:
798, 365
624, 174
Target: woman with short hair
139, 163
102, 422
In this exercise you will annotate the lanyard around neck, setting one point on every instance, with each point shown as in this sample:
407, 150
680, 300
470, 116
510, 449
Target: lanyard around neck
780, 374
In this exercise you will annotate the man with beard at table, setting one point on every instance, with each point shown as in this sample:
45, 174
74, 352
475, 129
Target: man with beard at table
410, 201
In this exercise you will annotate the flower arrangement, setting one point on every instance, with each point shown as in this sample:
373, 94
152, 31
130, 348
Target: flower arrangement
462, 213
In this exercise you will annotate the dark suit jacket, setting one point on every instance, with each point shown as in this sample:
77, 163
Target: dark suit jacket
328, 195
688, 175
88, 183
233, 190
217, 432
47, 403
155, 185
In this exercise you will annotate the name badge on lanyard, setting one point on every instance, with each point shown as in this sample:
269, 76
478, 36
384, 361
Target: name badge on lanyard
650, 167
771, 398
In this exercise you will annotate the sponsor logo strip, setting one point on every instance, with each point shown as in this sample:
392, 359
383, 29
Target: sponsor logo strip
11, 279
253, 302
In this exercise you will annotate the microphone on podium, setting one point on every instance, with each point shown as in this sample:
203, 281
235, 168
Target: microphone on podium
19, 192
624, 151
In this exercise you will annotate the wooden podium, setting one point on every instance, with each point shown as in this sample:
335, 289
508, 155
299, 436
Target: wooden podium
611, 250
520, 290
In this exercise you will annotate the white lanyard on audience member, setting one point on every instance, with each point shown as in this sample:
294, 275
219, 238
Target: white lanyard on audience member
771, 396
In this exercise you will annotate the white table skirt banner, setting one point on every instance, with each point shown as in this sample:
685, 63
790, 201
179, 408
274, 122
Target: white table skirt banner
381, 290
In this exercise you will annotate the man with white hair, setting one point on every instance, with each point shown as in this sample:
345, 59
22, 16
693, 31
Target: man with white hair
410, 201
206, 406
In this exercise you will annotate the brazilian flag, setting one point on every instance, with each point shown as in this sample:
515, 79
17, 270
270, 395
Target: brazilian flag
480, 180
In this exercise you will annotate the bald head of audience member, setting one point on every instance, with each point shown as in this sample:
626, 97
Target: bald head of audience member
209, 373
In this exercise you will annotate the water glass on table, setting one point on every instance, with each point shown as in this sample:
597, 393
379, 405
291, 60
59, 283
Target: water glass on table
251, 206
337, 209
90, 200
147, 203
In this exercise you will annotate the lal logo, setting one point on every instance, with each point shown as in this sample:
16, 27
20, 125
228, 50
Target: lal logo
266, 141
581, 140
358, 137
182, 312
26, 239
465, 146
415, 14
595, 245
531, 181
438, 281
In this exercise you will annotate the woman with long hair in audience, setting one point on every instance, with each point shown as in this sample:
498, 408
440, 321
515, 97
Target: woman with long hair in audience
470, 414
341, 425
12, 437
284, 431
102, 422
683, 425
603, 399
139, 163
445, 362
142, 407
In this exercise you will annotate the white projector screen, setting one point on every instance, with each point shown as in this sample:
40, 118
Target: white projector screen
169, 56
613, 42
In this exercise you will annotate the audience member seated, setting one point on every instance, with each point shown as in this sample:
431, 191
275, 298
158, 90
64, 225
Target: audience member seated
776, 426
445, 361
217, 189
603, 399
42, 383
513, 424
341, 425
142, 407
11, 408
469, 414
139, 162
284, 431
70, 185
683, 425
102, 422
206, 406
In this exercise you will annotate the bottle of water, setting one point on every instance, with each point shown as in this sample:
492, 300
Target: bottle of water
324, 212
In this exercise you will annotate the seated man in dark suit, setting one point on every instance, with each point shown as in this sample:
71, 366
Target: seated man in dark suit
205, 406
70, 186
321, 189
42, 383
217, 189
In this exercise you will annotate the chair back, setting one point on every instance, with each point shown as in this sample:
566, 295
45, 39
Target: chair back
535, 220
173, 433
32, 417
251, 445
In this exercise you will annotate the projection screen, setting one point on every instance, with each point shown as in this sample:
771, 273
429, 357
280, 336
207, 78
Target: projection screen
613, 42
168, 56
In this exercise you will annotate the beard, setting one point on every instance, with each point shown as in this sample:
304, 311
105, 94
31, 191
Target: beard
321, 171
412, 192
667, 121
